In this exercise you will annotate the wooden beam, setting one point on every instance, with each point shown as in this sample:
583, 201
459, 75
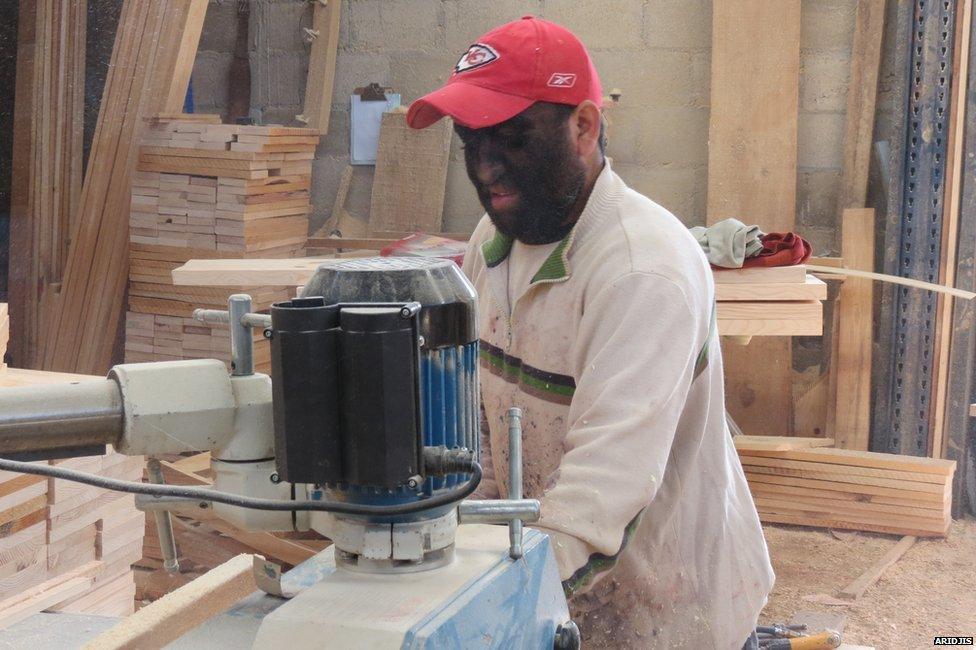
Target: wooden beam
168, 618
862, 91
321, 65
853, 362
861, 584
950, 227
752, 174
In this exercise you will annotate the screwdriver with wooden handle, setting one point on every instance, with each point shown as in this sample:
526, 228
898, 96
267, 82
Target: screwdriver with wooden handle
822, 641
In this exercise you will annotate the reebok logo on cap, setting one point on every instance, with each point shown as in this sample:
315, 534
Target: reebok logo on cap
478, 55
562, 80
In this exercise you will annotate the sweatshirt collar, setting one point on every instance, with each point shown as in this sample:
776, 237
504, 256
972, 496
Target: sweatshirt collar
556, 267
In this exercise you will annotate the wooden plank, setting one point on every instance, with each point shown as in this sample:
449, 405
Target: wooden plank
752, 174
799, 318
842, 524
812, 289
950, 229
865, 491
290, 272
181, 66
165, 620
934, 466
749, 444
841, 478
145, 70
861, 584
322, 65
21, 605
844, 470
761, 275
411, 175
853, 361
862, 92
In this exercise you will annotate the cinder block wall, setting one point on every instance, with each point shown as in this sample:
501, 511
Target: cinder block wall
656, 51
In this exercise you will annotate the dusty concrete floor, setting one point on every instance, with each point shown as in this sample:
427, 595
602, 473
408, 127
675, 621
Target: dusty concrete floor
930, 591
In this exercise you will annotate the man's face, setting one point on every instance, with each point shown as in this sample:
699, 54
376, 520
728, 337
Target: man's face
527, 173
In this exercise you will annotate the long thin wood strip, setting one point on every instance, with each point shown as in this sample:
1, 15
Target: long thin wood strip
747, 444
861, 584
950, 226
182, 63
166, 619
853, 363
322, 65
894, 279
856, 458
752, 149
861, 95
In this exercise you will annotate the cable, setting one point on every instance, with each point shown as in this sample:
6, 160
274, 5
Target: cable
208, 494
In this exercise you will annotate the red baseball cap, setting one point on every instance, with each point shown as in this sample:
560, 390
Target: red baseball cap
509, 69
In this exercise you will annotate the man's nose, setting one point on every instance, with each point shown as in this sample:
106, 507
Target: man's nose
487, 166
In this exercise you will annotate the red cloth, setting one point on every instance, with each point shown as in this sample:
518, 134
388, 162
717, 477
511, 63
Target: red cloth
780, 249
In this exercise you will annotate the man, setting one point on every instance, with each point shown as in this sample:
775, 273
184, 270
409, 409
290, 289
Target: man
596, 311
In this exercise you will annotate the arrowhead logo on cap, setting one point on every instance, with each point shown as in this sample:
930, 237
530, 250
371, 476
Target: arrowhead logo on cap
478, 55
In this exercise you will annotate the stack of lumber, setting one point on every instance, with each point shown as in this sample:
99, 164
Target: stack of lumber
775, 301
208, 190
66, 546
152, 59
47, 170
795, 483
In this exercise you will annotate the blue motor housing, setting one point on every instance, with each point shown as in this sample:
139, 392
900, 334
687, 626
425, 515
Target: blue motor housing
445, 377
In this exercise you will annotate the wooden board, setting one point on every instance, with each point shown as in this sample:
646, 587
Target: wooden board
812, 289
752, 174
747, 444
853, 361
862, 459
411, 173
292, 272
857, 588
163, 621
146, 69
761, 275
799, 318
321, 66
862, 92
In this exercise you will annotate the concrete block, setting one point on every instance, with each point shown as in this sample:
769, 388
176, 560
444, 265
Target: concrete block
415, 74
336, 141
276, 25
211, 81
466, 20
384, 26
824, 80
827, 24
674, 136
462, 210
358, 69
820, 141
683, 24
817, 192
626, 125
220, 27
599, 25
681, 191
277, 83
658, 77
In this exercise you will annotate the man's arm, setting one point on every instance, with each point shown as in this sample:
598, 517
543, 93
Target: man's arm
636, 353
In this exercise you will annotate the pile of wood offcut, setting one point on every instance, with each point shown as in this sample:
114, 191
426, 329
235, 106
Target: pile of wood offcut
65, 546
795, 482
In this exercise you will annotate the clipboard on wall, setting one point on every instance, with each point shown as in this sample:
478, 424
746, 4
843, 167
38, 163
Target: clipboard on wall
366, 109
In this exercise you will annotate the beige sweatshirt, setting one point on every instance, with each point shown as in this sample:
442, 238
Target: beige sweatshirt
612, 353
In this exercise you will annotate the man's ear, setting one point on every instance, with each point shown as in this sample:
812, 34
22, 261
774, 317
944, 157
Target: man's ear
585, 128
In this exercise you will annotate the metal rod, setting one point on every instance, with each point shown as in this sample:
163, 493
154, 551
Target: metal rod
241, 341
498, 511
515, 478
60, 416
179, 505
164, 522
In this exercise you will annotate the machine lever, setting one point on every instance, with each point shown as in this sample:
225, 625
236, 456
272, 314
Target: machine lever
515, 478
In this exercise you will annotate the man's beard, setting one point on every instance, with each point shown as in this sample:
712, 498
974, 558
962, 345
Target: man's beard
547, 194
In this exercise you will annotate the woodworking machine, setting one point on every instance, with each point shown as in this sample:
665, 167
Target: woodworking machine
367, 431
